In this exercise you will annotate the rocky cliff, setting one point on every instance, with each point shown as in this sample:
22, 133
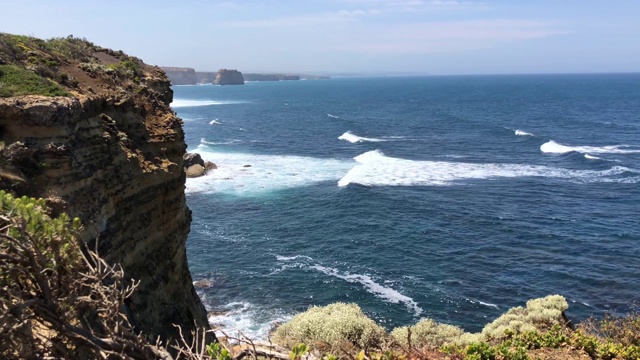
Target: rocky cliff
180, 76
228, 77
109, 152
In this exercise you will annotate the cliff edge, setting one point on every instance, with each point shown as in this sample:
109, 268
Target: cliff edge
91, 130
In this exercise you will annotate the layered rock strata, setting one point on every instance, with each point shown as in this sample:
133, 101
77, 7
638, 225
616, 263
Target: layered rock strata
112, 155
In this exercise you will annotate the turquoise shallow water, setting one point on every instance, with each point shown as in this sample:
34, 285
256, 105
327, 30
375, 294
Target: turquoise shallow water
453, 198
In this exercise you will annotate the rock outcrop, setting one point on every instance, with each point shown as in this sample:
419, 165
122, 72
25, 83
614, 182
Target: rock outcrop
194, 166
111, 154
228, 77
180, 76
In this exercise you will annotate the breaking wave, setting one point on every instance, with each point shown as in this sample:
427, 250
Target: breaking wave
523, 133
352, 138
553, 147
246, 174
376, 169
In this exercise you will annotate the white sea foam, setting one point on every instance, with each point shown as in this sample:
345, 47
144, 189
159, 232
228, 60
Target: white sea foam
523, 133
591, 157
488, 304
386, 293
227, 142
179, 103
333, 116
251, 321
215, 122
266, 173
556, 148
353, 138
376, 169
288, 258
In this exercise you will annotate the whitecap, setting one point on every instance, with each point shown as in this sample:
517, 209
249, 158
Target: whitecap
215, 122
591, 157
556, 148
179, 103
522, 133
333, 116
384, 292
352, 138
376, 169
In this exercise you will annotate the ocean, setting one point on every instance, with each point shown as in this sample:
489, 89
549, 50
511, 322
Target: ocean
452, 197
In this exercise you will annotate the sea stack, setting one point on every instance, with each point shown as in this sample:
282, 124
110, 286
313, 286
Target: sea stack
228, 77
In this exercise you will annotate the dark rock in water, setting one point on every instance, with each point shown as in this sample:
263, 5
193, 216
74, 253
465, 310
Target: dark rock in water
195, 170
192, 159
208, 165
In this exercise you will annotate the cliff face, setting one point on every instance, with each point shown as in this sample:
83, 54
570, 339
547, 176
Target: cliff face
112, 155
180, 76
270, 77
228, 77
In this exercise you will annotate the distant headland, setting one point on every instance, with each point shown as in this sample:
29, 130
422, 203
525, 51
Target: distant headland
189, 76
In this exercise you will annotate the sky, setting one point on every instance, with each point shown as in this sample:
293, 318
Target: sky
438, 37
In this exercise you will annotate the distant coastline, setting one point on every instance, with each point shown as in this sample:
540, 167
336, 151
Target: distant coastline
189, 76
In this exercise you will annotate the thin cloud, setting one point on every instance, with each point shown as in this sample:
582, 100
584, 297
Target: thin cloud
450, 36
340, 16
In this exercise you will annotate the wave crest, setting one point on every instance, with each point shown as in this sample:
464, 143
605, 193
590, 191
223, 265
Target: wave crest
553, 147
353, 138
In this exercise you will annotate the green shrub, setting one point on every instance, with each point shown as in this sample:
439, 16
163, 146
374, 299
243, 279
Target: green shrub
539, 314
427, 333
15, 81
331, 325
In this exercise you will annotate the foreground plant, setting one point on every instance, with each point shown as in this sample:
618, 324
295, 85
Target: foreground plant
57, 298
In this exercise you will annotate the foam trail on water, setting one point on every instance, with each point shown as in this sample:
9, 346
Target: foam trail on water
556, 148
523, 133
246, 174
179, 103
376, 169
352, 138
333, 116
383, 292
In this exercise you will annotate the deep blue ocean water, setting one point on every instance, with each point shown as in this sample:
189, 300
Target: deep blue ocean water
452, 198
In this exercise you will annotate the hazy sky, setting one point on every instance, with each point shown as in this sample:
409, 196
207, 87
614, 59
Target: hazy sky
436, 37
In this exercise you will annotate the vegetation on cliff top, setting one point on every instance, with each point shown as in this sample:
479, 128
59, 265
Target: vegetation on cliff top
537, 331
59, 66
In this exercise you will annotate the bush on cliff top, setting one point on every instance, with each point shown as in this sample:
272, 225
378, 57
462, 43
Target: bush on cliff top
330, 326
15, 81
428, 333
539, 314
